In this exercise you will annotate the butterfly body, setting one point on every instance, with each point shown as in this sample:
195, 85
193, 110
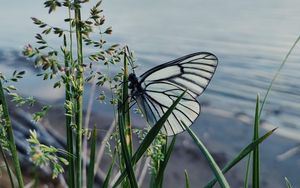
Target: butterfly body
134, 84
157, 89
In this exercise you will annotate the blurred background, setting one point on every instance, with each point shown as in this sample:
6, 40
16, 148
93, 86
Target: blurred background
250, 38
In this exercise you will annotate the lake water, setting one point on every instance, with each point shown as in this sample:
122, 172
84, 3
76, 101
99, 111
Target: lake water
250, 38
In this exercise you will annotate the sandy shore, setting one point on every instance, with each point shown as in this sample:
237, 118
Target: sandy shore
225, 135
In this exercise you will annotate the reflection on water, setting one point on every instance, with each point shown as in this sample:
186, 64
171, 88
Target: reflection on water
250, 39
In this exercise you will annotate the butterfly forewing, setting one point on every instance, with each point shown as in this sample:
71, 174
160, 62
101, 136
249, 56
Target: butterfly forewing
163, 84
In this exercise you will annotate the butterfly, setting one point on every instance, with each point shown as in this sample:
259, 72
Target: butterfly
157, 89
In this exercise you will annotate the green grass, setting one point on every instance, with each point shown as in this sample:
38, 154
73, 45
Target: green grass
91, 175
73, 73
10, 139
187, 180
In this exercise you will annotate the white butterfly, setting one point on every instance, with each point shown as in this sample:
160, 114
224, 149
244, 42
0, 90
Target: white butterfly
157, 89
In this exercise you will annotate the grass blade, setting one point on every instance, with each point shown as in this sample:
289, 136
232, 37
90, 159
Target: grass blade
149, 138
107, 178
255, 165
287, 182
128, 129
213, 165
125, 153
241, 155
154, 131
277, 73
125, 129
7, 167
187, 180
90, 175
10, 136
247, 171
160, 174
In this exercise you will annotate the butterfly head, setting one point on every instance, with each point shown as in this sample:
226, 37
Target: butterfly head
133, 81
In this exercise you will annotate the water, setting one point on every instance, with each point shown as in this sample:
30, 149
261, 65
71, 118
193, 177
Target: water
250, 39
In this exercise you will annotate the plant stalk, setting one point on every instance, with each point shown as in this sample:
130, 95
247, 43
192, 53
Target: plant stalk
7, 167
10, 136
71, 175
79, 95
128, 129
255, 154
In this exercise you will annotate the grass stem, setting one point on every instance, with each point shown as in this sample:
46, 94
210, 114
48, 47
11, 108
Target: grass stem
255, 168
7, 167
10, 136
79, 96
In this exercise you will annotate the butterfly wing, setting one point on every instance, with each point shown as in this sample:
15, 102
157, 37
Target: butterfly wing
163, 84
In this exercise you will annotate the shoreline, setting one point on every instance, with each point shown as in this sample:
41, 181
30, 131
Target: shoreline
224, 134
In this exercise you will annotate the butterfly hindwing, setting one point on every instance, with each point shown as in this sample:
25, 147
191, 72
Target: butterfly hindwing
157, 101
163, 84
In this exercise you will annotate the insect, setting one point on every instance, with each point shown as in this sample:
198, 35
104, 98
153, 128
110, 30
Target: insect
157, 89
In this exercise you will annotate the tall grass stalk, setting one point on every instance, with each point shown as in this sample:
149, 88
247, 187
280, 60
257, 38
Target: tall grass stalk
124, 128
255, 165
86, 127
7, 167
90, 175
79, 96
124, 148
69, 119
69, 132
10, 136
128, 129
